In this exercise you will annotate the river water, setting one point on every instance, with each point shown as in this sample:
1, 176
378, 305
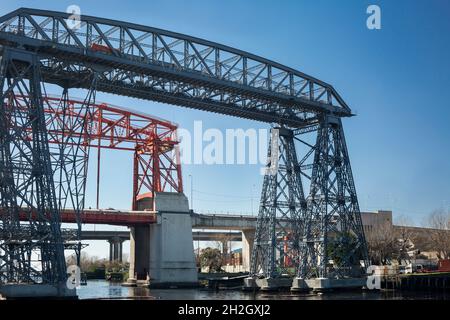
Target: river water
101, 289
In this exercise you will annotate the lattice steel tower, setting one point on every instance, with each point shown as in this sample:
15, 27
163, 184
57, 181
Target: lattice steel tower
332, 227
318, 237
31, 252
282, 206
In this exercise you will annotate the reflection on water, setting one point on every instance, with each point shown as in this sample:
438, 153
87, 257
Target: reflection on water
101, 289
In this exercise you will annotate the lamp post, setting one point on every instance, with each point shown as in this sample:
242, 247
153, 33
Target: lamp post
192, 189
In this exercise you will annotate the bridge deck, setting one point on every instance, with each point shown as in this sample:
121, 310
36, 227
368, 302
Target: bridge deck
93, 216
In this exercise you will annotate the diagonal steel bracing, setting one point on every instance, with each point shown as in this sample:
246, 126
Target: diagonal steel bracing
275, 251
70, 156
332, 243
26, 179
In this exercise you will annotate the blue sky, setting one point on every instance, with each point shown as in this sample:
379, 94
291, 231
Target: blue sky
395, 79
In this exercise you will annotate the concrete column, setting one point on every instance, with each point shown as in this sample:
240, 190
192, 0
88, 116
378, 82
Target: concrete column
116, 250
139, 252
111, 250
164, 250
248, 237
225, 247
225, 254
172, 261
121, 251
132, 269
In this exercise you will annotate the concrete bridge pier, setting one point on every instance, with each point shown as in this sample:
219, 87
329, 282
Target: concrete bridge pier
139, 253
162, 254
116, 249
248, 238
225, 250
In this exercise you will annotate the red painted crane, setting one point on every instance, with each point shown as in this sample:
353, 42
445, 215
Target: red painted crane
153, 141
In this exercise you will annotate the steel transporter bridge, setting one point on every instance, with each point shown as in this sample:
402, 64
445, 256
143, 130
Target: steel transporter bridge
308, 178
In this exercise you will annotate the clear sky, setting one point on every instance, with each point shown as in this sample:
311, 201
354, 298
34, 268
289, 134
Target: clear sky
396, 80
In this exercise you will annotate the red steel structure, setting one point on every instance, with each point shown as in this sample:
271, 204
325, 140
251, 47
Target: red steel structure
156, 160
94, 216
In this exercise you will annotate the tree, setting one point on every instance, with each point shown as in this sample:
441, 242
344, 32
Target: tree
87, 263
223, 243
339, 248
406, 239
381, 244
439, 221
211, 258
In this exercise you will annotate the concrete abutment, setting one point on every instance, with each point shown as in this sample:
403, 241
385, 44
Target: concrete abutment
303, 285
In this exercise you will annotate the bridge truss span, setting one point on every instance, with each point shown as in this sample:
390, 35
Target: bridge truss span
151, 63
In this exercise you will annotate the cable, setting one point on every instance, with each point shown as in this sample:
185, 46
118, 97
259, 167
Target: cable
224, 201
222, 195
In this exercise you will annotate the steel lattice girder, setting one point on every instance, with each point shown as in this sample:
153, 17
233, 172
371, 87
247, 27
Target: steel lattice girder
70, 156
155, 170
26, 178
332, 228
155, 64
275, 250
79, 125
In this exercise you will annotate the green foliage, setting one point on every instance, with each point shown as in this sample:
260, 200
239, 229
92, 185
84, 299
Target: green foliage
339, 248
211, 258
